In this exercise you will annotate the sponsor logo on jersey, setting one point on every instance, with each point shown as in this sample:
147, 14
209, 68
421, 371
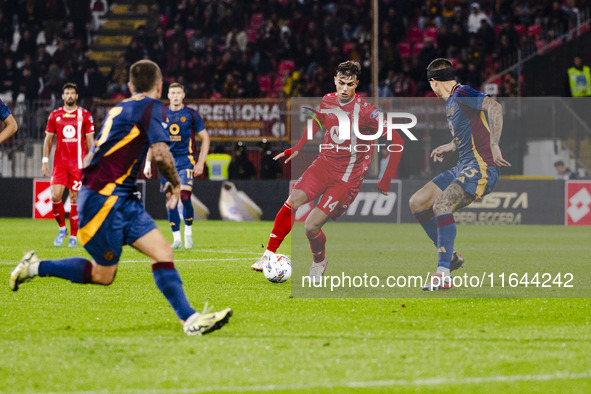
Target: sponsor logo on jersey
69, 131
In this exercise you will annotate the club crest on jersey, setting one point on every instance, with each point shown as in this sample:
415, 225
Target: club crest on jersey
183, 119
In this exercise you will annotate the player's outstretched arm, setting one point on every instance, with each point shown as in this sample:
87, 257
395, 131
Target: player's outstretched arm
165, 163
10, 127
495, 120
204, 151
287, 153
439, 153
47, 145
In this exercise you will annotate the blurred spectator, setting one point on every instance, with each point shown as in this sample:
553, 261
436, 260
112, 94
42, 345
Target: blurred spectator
28, 84
563, 172
270, 169
579, 78
218, 164
241, 167
8, 75
486, 35
250, 87
134, 52
475, 19
118, 77
403, 86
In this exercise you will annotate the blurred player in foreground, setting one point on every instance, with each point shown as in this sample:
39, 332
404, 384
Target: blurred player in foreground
74, 131
112, 215
476, 122
10, 126
337, 174
184, 124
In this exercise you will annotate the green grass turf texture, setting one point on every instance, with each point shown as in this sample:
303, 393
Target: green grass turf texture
56, 336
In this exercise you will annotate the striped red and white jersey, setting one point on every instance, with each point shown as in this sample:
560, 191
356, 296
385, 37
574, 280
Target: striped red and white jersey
70, 129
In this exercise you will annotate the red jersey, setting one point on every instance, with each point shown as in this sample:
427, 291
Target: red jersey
70, 129
350, 158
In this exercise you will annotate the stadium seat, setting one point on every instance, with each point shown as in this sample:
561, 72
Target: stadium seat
264, 83
534, 30
520, 29
189, 33
251, 34
417, 48
256, 20
498, 28
415, 34
431, 32
404, 48
286, 66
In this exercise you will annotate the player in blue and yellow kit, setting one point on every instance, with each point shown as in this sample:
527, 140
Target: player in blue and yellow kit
476, 122
112, 215
10, 126
185, 124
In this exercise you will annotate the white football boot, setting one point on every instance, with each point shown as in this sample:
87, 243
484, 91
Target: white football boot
317, 270
204, 323
21, 273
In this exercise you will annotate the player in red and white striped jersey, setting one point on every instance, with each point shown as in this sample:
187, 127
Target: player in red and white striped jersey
338, 172
73, 128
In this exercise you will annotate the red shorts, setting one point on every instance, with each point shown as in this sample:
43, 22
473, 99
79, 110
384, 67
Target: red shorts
337, 195
68, 177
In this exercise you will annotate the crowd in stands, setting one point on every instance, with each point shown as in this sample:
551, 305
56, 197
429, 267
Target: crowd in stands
275, 48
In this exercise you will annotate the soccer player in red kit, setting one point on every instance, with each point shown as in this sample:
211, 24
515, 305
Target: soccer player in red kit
74, 131
338, 171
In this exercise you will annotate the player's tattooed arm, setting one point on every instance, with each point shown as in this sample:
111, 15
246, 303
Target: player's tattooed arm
452, 199
165, 163
495, 120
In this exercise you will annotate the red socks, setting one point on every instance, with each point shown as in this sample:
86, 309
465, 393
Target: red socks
317, 243
59, 213
281, 227
73, 220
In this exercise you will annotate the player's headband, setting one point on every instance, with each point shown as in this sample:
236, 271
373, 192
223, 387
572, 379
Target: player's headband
445, 74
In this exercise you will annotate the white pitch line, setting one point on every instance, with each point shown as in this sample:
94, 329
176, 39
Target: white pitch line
366, 384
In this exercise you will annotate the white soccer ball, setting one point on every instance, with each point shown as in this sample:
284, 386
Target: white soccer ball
277, 268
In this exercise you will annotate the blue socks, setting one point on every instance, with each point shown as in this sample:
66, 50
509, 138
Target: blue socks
75, 269
427, 221
175, 219
446, 234
188, 212
169, 282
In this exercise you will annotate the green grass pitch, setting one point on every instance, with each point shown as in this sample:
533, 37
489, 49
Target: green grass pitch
59, 337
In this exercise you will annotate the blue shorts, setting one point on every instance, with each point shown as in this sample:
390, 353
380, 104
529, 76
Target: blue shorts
184, 166
109, 222
470, 177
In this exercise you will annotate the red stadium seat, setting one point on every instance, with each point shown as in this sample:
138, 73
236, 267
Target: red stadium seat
286, 66
189, 33
417, 48
256, 20
431, 32
264, 83
534, 30
251, 34
498, 29
520, 29
415, 34
404, 48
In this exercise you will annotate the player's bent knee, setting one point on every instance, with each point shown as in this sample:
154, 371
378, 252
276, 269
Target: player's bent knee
103, 275
311, 228
417, 203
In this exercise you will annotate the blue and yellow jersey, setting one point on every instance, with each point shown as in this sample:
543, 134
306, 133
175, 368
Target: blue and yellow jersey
469, 125
4, 111
129, 129
184, 124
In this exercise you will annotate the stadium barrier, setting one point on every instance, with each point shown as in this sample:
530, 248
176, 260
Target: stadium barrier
513, 202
